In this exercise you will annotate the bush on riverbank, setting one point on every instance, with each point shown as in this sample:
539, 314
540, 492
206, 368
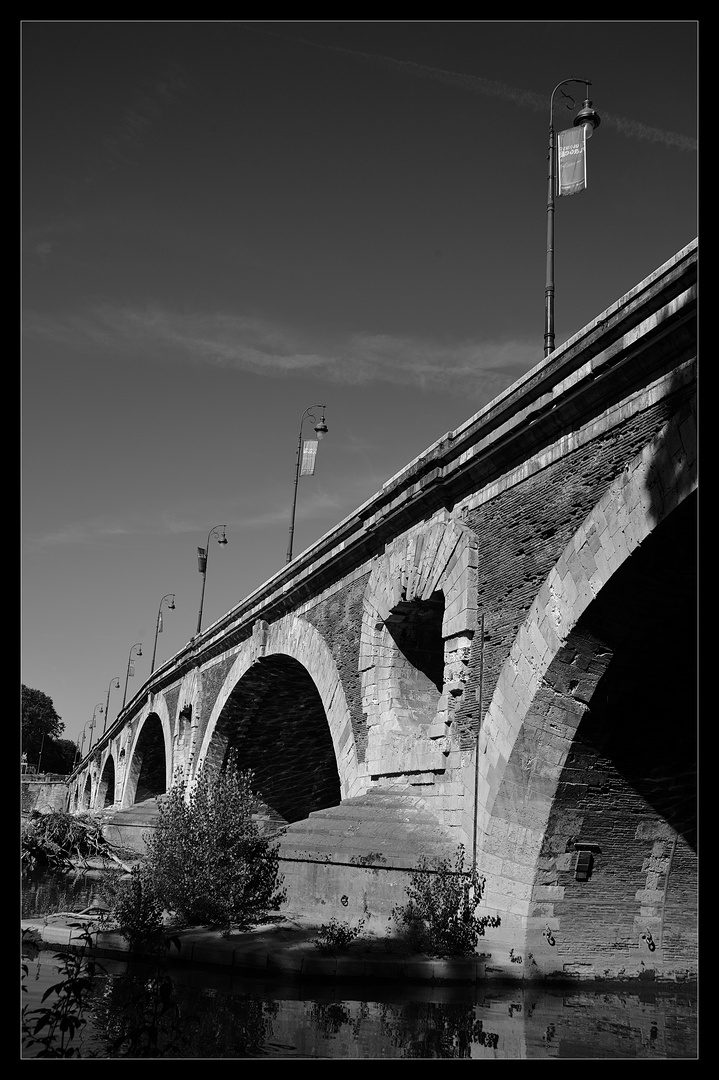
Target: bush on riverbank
440, 917
208, 862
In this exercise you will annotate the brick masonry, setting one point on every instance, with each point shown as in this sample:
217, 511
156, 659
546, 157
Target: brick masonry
457, 641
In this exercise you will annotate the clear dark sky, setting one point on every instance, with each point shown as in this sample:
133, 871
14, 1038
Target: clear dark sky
226, 222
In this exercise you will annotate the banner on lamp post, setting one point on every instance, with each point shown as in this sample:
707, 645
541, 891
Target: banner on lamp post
572, 160
309, 455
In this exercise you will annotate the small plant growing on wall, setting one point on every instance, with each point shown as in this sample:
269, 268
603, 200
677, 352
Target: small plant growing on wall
336, 935
440, 917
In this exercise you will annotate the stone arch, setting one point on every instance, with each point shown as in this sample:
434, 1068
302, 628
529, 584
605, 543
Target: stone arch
148, 755
298, 640
85, 800
105, 794
560, 658
421, 600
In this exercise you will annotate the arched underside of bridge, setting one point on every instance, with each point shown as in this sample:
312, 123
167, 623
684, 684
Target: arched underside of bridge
106, 788
147, 772
275, 721
603, 772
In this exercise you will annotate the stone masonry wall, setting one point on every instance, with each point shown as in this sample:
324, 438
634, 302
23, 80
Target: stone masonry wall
522, 532
46, 796
339, 619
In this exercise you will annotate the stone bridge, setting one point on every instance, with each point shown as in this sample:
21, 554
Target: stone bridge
497, 649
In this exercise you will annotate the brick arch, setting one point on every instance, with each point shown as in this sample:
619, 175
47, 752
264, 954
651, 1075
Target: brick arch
85, 793
157, 707
103, 783
296, 638
407, 717
517, 789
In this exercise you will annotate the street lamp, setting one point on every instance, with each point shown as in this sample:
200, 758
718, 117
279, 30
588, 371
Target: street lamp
42, 744
202, 564
114, 681
308, 467
589, 120
82, 740
138, 646
158, 626
92, 724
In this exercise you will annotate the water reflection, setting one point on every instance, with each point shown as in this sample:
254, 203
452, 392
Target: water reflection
198, 1012
44, 892
204, 1013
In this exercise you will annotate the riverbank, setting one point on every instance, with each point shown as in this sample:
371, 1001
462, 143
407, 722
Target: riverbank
283, 947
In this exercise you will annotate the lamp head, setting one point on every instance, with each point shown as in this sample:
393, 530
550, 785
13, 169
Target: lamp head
139, 650
587, 118
321, 429
222, 540
171, 605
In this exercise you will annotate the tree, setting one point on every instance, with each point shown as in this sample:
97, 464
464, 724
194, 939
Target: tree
58, 756
39, 719
207, 861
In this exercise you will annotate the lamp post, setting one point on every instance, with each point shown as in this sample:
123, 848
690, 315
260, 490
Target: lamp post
320, 430
138, 646
202, 564
114, 681
92, 724
42, 744
589, 119
158, 625
82, 740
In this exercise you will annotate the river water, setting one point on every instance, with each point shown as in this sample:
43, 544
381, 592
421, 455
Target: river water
209, 1013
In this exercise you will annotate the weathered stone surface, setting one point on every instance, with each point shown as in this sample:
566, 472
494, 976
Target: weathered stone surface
502, 639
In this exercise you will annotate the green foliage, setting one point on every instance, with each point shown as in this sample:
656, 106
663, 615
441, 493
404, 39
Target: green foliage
336, 935
39, 719
208, 861
138, 912
62, 1015
137, 1015
58, 756
440, 917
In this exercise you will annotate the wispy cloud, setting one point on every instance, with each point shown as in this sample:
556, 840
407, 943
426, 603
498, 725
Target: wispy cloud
143, 110
258, 346
317, 503
85, 532
475, 84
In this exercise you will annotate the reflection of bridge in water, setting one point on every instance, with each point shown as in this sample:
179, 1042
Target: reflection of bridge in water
497, 649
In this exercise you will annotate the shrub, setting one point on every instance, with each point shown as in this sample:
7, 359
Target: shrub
440, 917
337, 935
208, 861
138, 912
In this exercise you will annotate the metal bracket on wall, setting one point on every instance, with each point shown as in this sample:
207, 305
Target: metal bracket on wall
585, 860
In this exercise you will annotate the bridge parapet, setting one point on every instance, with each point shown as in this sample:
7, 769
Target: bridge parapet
418, 645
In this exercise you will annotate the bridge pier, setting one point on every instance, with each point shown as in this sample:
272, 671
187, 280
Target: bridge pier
496, 649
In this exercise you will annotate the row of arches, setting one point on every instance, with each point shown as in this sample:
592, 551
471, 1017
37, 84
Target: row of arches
586, 746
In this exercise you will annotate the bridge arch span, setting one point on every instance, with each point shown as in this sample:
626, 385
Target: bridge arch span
289, 653
551, 745
148, 754
105, 794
